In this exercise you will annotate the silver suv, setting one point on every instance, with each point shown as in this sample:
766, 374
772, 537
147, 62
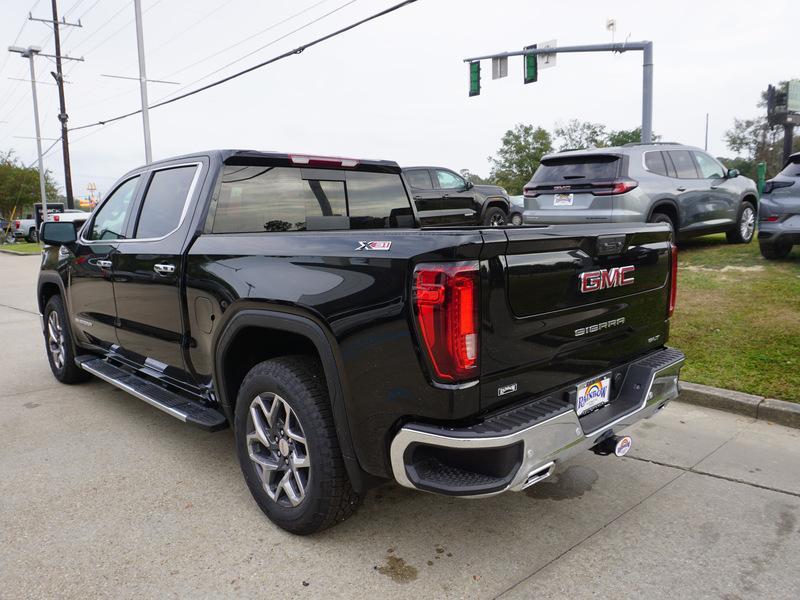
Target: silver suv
655, 183
779, 213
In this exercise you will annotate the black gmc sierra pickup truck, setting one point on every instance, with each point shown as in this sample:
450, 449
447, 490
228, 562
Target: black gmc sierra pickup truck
297, 300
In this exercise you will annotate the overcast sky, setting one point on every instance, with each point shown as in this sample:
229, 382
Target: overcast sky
395, 88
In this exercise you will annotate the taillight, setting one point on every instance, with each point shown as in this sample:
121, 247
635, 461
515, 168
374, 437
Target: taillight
613, 188
530, 192
16, 224
446, 300
56, 218
673, 279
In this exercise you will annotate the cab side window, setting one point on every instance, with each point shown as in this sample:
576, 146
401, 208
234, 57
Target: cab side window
709, 168
654, 162
449, 181
109, 222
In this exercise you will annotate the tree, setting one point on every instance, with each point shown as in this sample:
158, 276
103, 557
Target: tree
473, 178
519, 155
576, 134
627, 136
19, 185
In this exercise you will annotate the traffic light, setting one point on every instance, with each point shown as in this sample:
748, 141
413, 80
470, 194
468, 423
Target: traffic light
474, 78
531, 66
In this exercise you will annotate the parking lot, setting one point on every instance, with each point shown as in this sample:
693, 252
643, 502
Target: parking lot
103, 495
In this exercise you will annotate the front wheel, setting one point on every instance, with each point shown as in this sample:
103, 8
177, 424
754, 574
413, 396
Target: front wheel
58, 341
288, 448
494, 217
745, 225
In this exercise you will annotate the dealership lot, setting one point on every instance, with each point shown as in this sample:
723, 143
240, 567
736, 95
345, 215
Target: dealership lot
102, 495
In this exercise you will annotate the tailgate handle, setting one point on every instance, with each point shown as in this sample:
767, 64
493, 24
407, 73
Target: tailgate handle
610, 244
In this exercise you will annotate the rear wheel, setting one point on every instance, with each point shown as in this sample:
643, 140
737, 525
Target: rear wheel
58, 340
33, 236
516, 219
745, 225
495, 217
774, 251
660, 217
287, 446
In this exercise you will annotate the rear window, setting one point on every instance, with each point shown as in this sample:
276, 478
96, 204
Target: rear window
654, 162
584, 168
792, 169
264, 198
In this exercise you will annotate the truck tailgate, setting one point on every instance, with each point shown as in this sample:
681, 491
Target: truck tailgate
560, 306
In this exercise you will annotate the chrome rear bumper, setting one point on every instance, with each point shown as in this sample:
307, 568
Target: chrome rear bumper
532, 449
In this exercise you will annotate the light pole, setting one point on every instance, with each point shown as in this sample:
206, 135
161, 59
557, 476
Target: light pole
29, 53
148, 155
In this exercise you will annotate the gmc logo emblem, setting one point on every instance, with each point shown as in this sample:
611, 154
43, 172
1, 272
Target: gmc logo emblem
593, 281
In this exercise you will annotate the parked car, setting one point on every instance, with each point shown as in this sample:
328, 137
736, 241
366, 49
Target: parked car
655, 183
298, 300
25, 229
443, 197
779, 211
517, 210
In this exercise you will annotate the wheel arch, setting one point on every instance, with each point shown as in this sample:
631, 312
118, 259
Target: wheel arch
495, 201
235, 353
49, 285
668, 207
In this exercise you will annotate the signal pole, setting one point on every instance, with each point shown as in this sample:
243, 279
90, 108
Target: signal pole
645, 47
62, 115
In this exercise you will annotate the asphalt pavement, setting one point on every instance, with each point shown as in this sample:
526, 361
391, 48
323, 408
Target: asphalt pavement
101, 495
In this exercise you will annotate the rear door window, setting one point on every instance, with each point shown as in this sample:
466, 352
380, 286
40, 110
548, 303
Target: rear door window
419, 179
377, 200
684, 165
654, 162
578, 168
164, 201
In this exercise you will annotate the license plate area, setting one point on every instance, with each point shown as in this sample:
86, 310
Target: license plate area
592, 394
563, 199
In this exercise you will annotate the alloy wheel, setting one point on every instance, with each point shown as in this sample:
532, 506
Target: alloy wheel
55, 339
497, 220
278, 448
747, 224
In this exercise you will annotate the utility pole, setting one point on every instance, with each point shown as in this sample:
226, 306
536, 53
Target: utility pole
645, 47
29, 53
62, 115
148, 154
706, 145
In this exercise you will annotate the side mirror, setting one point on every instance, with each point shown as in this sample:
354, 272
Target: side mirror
57, 234
732, 173
470, 185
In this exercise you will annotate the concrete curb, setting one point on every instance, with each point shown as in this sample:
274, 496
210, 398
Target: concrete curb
4, 251
756, 407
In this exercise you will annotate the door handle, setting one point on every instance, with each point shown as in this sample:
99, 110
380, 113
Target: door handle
714, 187
164, 269
681, 189
446, 196
104, 264
417, 197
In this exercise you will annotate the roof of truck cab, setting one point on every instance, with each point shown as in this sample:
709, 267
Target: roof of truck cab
233, 154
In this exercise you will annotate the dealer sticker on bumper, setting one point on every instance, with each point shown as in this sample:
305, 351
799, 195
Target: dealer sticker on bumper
592, 394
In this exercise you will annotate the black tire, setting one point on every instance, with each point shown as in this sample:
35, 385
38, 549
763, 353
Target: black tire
495, 217
660, 217
774, 251
516, 219
327, 497
743, 233
62, 360
32, 236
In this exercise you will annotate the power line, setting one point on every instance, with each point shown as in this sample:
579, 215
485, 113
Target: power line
274, 59
275, 41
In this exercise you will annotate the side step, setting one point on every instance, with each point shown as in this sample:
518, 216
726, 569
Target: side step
171, 403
